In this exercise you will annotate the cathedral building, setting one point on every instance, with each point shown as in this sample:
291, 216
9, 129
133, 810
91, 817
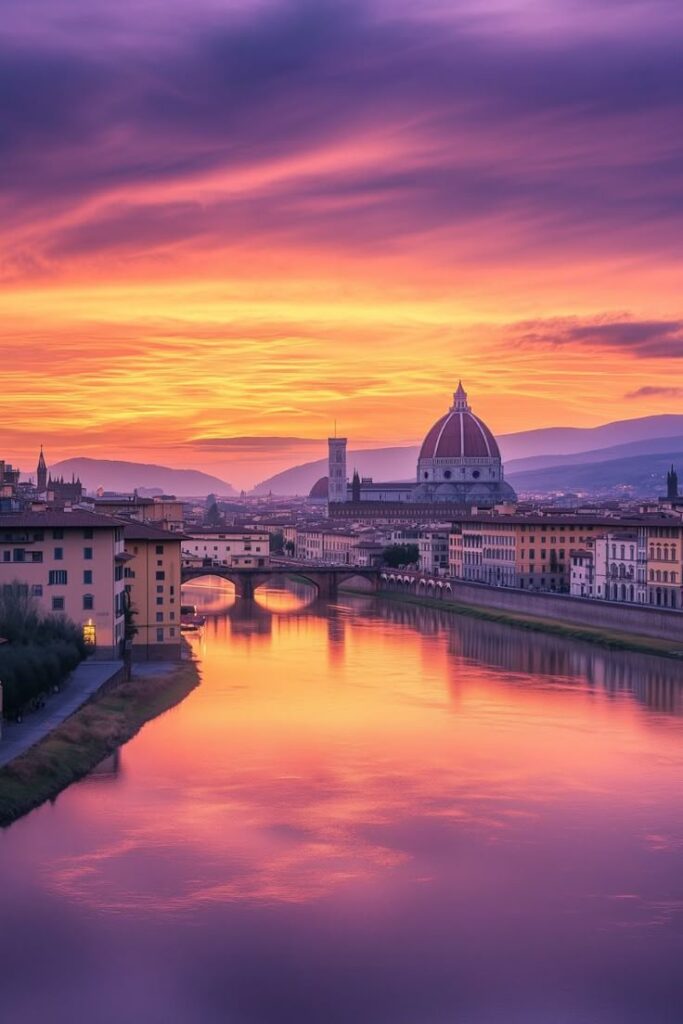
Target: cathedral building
58, 491
459, 467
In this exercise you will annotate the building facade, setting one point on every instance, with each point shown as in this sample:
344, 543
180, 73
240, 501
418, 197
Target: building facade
152, 579
665, 565
72, 563
224, 547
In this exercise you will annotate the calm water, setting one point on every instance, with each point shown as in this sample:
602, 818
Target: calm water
367, 814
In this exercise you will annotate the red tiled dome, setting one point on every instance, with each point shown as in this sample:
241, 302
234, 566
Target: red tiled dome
459, 435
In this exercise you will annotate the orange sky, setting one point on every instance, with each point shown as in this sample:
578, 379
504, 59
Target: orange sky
215, 286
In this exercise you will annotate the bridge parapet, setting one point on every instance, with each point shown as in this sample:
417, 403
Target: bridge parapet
326, 579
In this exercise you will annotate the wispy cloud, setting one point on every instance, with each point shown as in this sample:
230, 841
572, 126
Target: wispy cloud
655, 392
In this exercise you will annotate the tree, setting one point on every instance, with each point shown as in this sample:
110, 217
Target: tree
400, 554
277, 542
213, 516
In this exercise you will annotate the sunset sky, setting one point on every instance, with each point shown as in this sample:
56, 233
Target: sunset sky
227, 223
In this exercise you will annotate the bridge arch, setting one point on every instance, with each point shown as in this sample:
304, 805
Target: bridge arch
325, 580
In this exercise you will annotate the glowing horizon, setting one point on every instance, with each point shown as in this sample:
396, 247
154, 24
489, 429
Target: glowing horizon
228, 225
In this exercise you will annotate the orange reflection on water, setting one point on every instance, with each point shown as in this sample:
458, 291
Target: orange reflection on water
326, 742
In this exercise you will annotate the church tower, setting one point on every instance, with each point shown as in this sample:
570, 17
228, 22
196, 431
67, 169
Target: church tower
41, 473
336, 470
672, 484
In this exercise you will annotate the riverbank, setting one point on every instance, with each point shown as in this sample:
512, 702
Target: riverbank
92, 733
80, 686
608, 638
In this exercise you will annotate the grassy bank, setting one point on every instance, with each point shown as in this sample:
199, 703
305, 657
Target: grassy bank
87, 737
604, 637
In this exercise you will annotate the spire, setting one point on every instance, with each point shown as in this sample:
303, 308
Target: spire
41, 474
672, 483
460, 399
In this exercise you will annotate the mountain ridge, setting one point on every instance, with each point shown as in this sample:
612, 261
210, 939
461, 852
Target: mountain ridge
123, 475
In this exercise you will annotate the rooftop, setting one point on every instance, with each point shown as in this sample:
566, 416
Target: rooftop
142, 531
78, 518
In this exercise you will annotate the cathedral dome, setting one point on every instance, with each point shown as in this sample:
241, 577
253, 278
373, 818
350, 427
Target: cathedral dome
320, 489
459, 434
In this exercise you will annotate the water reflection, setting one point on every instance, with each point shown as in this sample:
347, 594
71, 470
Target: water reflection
553, 660
478, 822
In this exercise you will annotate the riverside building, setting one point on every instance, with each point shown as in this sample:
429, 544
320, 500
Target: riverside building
224, 547
72, 563
152, 578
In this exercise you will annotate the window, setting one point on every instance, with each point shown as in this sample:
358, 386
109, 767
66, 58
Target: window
87, 554
171, 631
160, 576
37, 589
18, 555
160, 636
160, 549
58, 534
88, 534
57, 604
87, 576
160, 589
36, 556
160, 600
172, 616
160, 561
88, 602
7, 556
160, 616
59, 554
57, 577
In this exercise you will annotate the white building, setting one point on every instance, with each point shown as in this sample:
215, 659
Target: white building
72, 563
433, 547
582, 572
224, 547
620, 567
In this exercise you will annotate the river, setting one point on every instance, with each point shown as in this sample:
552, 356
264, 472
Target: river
367, 813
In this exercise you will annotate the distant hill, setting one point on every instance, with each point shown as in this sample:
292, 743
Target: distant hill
652, 446
551, 444
644, 474
126, 476
382, 463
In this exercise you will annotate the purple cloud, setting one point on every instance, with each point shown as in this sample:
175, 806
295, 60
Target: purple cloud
655, 392
654, 339
571, 138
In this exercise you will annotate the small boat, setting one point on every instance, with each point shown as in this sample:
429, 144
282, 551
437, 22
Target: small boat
192, 622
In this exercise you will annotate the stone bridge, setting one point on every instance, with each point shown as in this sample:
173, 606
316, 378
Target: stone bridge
326, 579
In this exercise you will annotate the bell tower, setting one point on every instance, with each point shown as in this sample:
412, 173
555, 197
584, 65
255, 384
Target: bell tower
41, 472
672, 484
336, 470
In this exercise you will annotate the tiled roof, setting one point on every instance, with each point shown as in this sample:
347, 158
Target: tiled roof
78, 518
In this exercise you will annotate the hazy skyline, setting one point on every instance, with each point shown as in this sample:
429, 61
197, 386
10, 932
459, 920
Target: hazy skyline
226, 225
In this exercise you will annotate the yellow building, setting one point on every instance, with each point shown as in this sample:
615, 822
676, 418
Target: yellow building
664, 544
529, 552
153, 578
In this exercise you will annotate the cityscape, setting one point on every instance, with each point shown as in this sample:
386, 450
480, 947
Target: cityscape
341, 513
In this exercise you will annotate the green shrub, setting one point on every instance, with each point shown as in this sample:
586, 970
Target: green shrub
41, 649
